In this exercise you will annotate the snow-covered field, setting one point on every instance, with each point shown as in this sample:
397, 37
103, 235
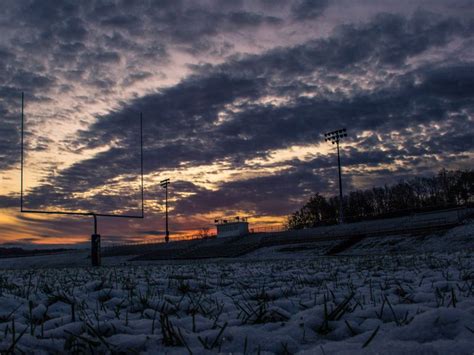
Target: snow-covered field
372, 304
455, 239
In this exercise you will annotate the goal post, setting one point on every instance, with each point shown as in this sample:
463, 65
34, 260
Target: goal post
95, 237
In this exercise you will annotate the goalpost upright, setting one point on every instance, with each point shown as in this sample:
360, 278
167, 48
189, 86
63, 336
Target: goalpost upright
95, 237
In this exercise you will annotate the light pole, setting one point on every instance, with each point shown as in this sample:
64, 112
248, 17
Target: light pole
164, 184
334, 137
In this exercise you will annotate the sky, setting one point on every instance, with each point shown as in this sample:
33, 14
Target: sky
236, 97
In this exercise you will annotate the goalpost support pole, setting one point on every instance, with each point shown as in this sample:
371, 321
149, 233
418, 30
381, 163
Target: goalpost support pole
95, 245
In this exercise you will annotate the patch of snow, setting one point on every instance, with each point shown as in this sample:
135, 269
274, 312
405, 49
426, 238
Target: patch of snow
419, 303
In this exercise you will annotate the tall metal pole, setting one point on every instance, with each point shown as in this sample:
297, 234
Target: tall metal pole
334, 137
22, 135
341, 212
167, 237
164, 184
95, 244
141, 162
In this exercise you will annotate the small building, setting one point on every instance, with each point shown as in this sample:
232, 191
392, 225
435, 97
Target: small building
234, 227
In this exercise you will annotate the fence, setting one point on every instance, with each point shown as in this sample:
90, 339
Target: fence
158, 241
421, 220
268, 229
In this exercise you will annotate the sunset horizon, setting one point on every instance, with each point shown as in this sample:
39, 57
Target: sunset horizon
236, 99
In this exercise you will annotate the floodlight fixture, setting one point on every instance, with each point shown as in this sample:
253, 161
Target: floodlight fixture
226, 220
95, 238
164, 184
335, 137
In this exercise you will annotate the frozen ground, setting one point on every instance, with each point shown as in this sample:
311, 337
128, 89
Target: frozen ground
78, 258
455, 239
365, 304
393, 294
290, 251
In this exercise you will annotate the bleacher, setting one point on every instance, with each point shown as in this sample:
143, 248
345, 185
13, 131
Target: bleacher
204, 249
225, 249
237, 246
422, 222
158, 248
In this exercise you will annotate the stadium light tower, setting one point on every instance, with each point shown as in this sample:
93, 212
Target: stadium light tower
164, 184
334, 137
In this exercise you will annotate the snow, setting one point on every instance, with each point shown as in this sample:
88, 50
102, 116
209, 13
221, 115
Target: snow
454, 239
390, 295
75, 258
409, 303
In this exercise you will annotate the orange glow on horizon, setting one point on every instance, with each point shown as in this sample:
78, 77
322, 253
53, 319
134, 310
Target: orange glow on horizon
14, 229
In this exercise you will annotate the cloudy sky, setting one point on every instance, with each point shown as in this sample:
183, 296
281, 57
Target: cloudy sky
235, 96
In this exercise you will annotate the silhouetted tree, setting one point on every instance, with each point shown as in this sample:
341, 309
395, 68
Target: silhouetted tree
447, 188
316, 211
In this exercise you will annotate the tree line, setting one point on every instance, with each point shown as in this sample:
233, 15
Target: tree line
448, 188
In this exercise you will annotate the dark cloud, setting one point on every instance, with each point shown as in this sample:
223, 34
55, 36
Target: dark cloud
121, 21
184, 124
72, 30
9, 201
277, 194
450, 82
387, 41
308, 9
403, 86
52, 47
239, 19
9, 130
26, 79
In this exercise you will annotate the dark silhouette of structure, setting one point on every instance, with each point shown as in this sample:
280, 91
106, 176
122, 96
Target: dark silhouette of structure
95, 237
164, 184
334, 137
232, 227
